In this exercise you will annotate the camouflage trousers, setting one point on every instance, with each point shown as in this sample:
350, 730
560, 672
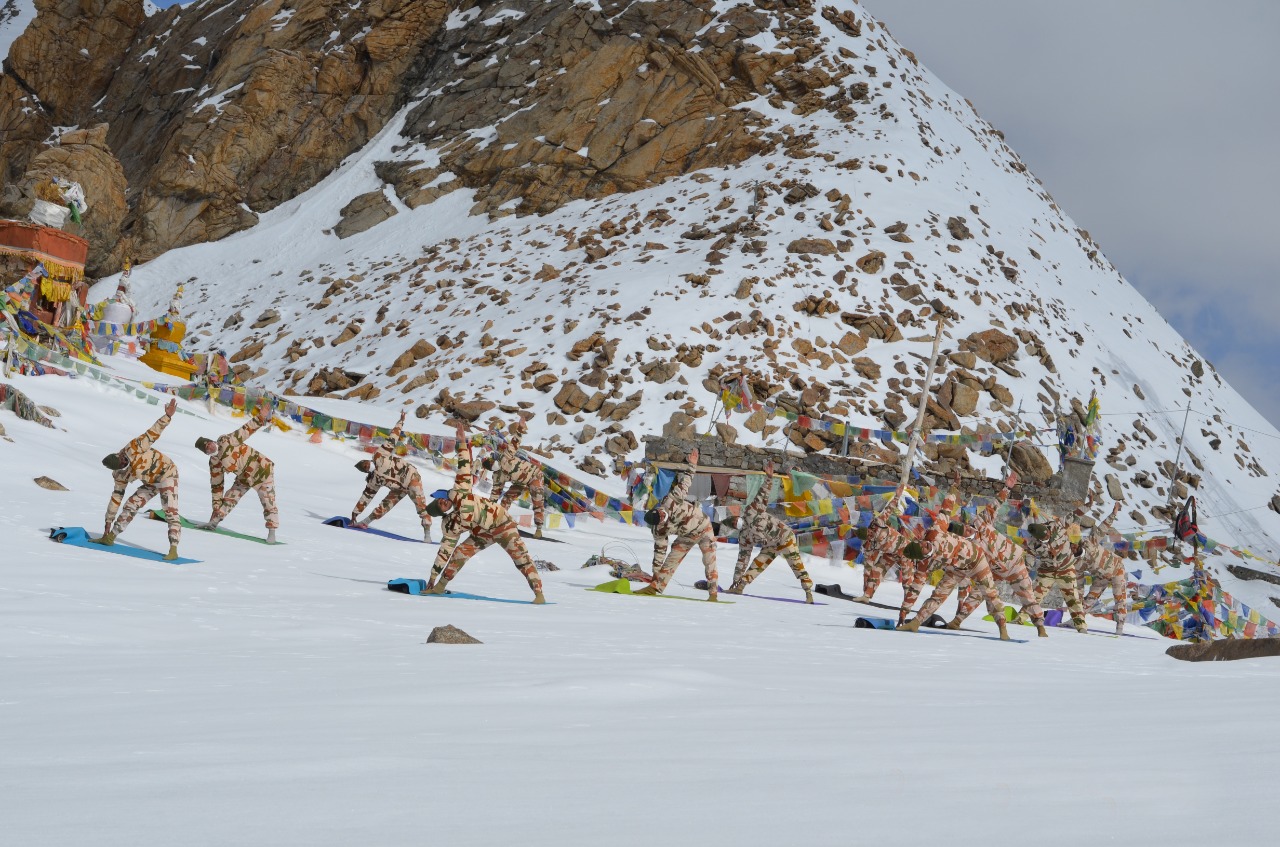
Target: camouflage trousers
266, 495
980, 581
912, 575
537, 493
1119, 585
744, 574
1023, 591
706, 543
395, 495
168, 491
506, 536
1067, 582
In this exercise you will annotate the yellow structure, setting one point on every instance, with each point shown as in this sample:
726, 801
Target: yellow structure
168, 334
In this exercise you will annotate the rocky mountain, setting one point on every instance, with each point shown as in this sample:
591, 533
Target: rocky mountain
588, 212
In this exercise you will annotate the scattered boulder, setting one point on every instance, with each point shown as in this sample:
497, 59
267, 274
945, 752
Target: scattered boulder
364, 212
450, 634
958, 228
820, 246
1029, 462
991, 345
872, 263
1226, 650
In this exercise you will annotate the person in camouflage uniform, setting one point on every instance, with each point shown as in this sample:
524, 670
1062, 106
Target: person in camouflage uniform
677, 516
960, 560
1099, 560
482, 520
230, 455
886, 547
883, 549
1056, 565
522, 474
758, 527
1008, 563
138, 462
401, 479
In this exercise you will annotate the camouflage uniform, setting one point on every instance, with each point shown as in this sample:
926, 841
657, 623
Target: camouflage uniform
1008, 561
158, 475
679, 517
484, 521
1056, 567
758, 527
1099, 560
251, 470
883, 549
399, 478
960, 560
523, 475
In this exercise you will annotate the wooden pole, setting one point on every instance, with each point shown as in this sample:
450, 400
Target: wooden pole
924, 402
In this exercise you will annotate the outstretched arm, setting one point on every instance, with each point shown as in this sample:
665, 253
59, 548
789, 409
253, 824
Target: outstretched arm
144, 441
257, 422
462, 455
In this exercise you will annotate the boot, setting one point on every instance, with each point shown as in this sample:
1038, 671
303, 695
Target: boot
1040, 630
1119, 627
862, 598
172, 554
954, 623
107, 539
736, 588
1004, 628
912, 625
438, 588
538, 599
537, 533
713, 597
271, 536
1081, 628
649, 590
808, 597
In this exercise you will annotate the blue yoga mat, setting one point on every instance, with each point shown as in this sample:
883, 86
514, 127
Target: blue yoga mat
345, 523
417, 587
78, 536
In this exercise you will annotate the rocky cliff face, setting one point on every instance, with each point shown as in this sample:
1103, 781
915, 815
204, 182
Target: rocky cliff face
218, 112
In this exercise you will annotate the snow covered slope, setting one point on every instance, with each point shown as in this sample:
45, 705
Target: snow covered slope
817, 267
280, 696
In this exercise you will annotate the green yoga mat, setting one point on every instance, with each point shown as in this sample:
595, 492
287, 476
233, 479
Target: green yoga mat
622, 586
157, 514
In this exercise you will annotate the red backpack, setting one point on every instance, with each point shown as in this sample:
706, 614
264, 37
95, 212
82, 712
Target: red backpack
1184, 525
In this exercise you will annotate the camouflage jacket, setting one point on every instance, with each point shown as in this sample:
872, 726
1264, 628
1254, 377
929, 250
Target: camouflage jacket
481, 517
238, 459
1054, 554
514, 468
678, 517
142, 463
389, 470
759, 528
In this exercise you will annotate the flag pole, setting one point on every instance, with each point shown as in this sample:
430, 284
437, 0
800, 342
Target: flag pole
916, 440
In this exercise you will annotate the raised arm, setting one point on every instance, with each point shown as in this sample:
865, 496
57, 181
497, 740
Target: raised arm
463, 481
389, 446
684, 479
144, 441
257, 422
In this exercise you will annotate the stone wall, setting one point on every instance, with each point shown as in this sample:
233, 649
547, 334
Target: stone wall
1058, 495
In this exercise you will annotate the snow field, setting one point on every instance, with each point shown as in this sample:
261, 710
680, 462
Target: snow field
280, 696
